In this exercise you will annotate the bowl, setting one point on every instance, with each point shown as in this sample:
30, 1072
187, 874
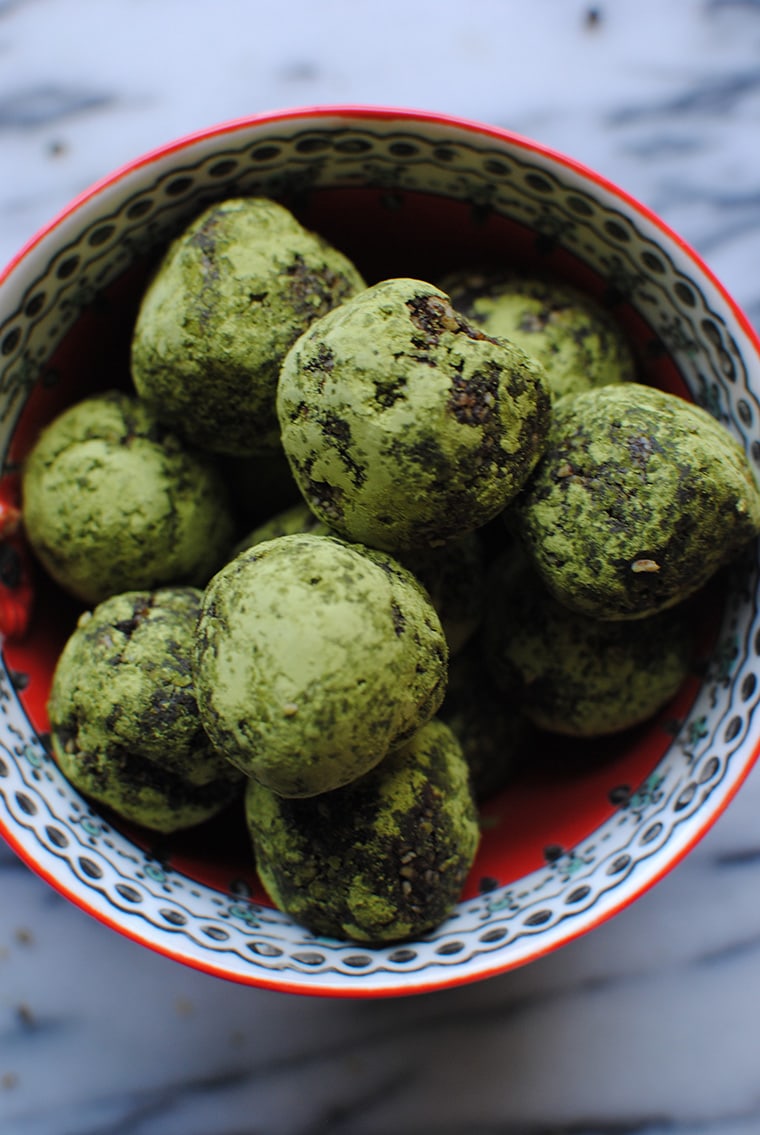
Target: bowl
404, 193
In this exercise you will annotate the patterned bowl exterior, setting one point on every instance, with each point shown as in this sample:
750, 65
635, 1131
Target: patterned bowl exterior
457, 190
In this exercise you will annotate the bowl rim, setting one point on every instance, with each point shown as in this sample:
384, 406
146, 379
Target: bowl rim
638, 887
375, 113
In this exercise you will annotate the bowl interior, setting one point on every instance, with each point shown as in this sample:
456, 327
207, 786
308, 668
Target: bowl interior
589, 825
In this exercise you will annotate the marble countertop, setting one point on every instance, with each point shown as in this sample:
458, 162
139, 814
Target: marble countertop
649, 1024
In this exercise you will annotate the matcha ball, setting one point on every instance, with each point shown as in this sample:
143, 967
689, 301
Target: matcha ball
494, 732
639, 498
405, 426
453, 575
231, 295
124, 721
579, 343
314, 659
575, 675
380, 860
112, 501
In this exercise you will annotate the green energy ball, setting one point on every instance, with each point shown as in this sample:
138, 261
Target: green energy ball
576, 675
639, 498
382, 859
315, 658
112, 501
578, 342
491, 726
232, 294
403, 424
124, 720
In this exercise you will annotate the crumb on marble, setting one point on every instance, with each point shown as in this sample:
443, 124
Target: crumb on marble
25, 1016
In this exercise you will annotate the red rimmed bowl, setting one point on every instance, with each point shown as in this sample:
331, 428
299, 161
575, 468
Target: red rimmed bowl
404, 193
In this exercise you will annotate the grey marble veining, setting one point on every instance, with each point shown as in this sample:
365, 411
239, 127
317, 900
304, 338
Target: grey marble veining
651, 1024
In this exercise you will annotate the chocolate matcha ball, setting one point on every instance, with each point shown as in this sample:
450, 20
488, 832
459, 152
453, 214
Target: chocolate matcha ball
113, 501
404, 425
576, 675
382, 859
124, 721
314, 659
232, 294
578, 342
639, 498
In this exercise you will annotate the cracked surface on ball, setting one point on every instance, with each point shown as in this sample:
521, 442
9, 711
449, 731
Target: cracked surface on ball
114, 501
124, 721
405, 426
232, 294
578, 342
638, 500
380, 860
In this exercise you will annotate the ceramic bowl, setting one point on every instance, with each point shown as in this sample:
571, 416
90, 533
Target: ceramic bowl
404, 193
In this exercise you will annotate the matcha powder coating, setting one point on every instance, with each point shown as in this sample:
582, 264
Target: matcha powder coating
233, 293
380, 860
404, 425
638, 500
575, 675
124, 721
577, 341
313, 660
114, 501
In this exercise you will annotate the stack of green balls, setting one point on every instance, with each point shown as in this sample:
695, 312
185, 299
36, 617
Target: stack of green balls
301, 662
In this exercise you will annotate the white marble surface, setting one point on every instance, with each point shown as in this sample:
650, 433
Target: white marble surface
649, 1025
